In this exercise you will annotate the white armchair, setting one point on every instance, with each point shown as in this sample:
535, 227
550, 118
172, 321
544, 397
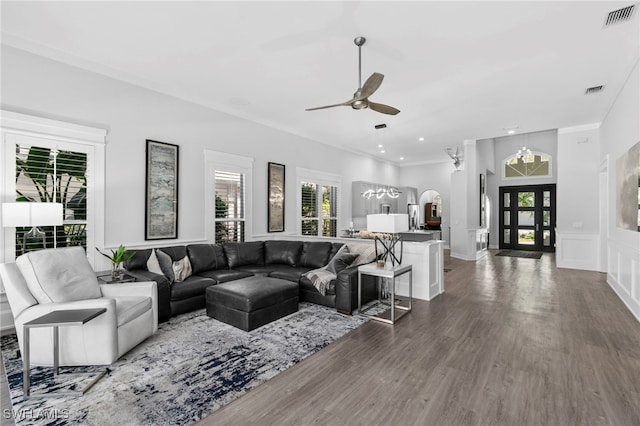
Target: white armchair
54, 279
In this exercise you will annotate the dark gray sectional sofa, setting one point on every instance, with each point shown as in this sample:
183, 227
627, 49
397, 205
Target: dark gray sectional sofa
219, 263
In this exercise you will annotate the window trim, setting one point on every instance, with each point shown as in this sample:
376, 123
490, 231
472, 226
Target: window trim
215, 160
320, 178
15, 127
510, 157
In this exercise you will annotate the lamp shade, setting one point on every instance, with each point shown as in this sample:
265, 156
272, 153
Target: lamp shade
388, 223
31, 214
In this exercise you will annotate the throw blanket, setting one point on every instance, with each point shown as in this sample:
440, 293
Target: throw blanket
321, 278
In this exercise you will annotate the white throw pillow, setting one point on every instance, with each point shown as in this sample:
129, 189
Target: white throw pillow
153, 265
182, 269
366, 253
59, 275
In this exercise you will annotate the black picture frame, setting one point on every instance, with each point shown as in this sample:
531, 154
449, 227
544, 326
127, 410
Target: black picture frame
275, 188
161, 191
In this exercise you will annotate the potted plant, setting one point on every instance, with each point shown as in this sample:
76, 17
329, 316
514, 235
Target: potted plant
117, 257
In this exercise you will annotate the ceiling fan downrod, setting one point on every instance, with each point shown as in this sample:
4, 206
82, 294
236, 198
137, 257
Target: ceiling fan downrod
360, 104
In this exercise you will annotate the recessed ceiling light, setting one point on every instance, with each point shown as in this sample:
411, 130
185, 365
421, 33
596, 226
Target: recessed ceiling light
382, 151
511, 129
401, 158
511, 132
380, 146
421, 139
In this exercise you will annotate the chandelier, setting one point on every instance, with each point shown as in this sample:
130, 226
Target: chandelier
522, 152
381, 192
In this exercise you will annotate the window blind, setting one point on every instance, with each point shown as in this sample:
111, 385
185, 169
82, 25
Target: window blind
229, 206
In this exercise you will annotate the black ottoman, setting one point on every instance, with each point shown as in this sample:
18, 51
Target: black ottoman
252, 302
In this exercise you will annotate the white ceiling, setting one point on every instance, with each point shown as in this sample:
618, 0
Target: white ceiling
456, 70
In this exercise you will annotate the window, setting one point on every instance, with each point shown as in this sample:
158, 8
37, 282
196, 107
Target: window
228, 195
50, 175
46, 160
229, 206
531, 165
318, 203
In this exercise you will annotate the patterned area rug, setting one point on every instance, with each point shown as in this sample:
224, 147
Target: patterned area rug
520, 253
191, 367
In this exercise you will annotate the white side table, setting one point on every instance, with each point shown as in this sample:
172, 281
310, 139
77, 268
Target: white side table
57, 319
390, 272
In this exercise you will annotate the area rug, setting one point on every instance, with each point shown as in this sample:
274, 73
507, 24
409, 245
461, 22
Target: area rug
191, 367
520, 253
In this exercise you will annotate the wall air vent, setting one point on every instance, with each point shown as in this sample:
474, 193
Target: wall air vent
380, 126
594, 89
620, 15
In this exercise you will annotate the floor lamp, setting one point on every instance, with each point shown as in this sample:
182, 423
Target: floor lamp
34, 215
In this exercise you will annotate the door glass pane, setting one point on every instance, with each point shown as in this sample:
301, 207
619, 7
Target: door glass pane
526, 236
525, 218
526, 199
507, 236
546, 238
507, 218
546, 199
507, 200
546, 218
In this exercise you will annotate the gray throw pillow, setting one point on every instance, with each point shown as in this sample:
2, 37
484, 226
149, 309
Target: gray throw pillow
166, 265
341, 261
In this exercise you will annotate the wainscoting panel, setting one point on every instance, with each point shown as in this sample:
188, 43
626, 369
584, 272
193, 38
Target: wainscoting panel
624, 274
578, 251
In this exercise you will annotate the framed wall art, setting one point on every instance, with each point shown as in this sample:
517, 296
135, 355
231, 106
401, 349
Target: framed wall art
161, 203
276, 197
628, 189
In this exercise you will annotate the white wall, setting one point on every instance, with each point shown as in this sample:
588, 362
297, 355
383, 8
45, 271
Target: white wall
39, 86
577, 198
619, 131
436, 176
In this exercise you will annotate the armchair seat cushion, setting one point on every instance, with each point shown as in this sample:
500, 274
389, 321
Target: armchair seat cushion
192, 286
129, 308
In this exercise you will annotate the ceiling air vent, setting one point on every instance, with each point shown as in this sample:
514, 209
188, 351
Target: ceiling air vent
594, 89
620, 15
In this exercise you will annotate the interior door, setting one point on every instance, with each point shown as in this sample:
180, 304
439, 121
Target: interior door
527, 217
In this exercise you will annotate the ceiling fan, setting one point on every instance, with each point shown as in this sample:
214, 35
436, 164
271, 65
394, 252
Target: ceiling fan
361, 97
455, 156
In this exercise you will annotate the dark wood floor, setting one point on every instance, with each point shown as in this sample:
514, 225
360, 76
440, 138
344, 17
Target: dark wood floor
511, 342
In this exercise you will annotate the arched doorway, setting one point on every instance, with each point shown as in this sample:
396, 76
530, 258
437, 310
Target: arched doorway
430, 209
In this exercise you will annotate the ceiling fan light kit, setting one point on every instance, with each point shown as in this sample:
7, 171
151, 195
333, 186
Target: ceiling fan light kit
360, 98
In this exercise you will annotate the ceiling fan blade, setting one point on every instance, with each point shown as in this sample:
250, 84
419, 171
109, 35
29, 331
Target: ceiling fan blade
347, 103
385, 109
371, 85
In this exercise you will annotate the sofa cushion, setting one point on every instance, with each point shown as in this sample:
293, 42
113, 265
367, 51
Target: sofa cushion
289, 273
247, 253
175, 252
366, 252
282, 252
224, 275
315, 254
59, 275
139, 260
257, 269
192, 286
206, 257
131, 307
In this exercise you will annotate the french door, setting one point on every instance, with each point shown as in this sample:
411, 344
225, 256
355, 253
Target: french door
528, 217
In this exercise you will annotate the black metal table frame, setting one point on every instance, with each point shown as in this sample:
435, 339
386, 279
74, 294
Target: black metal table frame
56, 319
